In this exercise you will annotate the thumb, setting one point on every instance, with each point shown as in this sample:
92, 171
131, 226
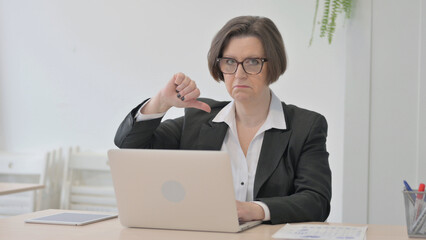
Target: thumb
199, 105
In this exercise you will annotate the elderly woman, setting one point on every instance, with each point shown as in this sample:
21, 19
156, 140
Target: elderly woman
278, 152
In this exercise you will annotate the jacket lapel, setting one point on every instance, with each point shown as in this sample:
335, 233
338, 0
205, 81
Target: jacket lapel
274, 144
211, 136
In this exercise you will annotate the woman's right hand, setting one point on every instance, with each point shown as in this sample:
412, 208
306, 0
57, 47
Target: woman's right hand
181, 92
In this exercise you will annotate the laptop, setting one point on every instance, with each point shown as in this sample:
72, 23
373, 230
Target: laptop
175, 189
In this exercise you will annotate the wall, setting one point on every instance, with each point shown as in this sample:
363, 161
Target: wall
71, 70
385, 109
421, 170
357, 114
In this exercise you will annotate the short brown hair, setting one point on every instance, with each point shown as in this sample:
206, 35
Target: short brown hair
262, 28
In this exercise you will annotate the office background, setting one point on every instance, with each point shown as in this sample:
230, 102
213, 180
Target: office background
71, 70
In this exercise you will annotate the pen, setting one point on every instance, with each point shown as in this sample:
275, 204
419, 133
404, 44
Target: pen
419, 202
412, 196
417, 225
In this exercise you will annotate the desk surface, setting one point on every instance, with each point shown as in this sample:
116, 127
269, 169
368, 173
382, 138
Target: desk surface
8, 188
15, 228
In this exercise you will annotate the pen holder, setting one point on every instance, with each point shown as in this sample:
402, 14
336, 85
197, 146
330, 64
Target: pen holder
415, 213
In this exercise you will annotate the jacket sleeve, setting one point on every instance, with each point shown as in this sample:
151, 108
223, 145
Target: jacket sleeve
149, 134
312, 182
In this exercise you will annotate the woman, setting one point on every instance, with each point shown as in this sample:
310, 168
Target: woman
278, 152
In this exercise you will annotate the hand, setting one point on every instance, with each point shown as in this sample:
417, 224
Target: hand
181, 92
249, 211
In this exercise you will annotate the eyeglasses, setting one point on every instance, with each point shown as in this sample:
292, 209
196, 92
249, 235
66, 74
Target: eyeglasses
250, 65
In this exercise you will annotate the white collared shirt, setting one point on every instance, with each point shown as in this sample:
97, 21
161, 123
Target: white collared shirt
243, 167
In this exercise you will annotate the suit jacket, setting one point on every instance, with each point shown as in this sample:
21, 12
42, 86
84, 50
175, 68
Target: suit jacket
293, 177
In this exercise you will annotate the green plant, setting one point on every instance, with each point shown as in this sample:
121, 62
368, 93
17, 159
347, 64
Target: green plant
332, 8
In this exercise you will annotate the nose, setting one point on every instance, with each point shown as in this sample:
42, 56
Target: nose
240, 73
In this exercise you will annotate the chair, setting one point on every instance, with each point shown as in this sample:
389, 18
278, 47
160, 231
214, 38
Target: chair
51, 194
22, 168
87, 183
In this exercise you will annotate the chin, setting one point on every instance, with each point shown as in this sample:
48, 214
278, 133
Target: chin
242, 97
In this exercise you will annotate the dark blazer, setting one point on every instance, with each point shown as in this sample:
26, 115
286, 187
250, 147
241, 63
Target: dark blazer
293, 177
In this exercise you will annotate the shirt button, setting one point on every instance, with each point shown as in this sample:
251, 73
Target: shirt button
242, 183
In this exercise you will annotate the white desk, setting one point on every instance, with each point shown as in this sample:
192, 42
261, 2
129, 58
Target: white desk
8, 188
15, 228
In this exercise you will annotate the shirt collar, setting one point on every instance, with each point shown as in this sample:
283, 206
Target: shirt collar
275, 118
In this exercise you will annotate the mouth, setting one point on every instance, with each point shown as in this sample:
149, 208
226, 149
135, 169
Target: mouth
241, 86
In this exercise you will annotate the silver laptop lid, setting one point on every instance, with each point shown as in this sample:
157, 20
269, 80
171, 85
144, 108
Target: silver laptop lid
174, 189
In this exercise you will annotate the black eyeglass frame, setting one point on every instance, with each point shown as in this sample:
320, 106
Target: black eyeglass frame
262, 60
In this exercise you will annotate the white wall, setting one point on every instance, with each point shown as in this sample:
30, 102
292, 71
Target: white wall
394, 106
421, 170
71, 70
357, 114
385, 109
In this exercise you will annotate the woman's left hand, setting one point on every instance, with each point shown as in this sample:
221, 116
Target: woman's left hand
249, 211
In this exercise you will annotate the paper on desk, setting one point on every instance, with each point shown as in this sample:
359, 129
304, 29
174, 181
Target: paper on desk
320, 232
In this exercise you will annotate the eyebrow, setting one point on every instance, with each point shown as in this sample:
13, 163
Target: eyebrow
229, 56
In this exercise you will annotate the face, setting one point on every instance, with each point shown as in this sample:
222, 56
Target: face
243, 87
